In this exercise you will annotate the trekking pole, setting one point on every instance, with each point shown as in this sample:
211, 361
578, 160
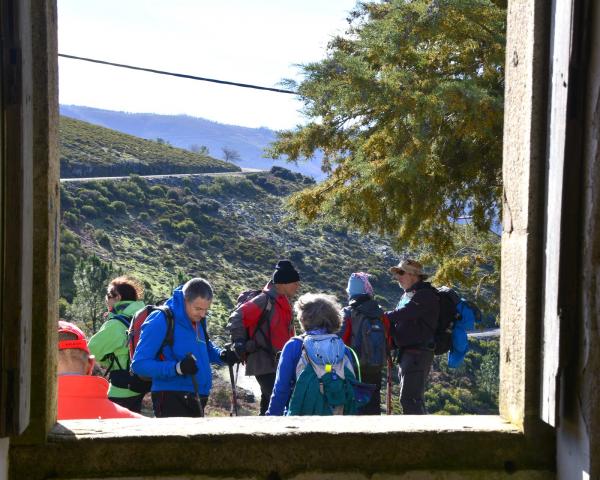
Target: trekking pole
234, 405
388, 400
195, 383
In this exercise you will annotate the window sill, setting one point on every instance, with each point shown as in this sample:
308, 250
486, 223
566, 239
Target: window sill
276, 447
285, 446
179, 428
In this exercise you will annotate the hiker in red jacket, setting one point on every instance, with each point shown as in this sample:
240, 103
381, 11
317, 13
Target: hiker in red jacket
81, 395
261, 326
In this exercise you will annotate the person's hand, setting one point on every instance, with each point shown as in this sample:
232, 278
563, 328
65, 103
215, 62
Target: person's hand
187, 366
240, 349
229, 357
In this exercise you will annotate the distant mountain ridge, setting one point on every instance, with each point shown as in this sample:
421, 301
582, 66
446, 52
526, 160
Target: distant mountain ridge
183, 131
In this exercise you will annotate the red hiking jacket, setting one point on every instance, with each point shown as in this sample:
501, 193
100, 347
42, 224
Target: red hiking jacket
275, 330
85, 396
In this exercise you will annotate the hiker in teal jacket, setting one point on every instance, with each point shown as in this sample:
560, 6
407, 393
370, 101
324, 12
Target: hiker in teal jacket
181, 373
109, 345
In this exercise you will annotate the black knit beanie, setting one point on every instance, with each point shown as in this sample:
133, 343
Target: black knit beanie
285, 272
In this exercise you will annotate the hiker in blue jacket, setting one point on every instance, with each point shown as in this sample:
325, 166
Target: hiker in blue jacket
181, 374
319, 314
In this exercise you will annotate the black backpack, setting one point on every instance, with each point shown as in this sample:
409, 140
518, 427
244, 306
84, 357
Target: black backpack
450, 305
368, 339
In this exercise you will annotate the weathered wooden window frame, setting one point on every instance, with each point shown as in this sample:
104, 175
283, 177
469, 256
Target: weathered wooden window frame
517, 437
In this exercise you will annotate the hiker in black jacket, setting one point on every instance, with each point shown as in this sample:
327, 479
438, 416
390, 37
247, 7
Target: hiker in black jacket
413, 325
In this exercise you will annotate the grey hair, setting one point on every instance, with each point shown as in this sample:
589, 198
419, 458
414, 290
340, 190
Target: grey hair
318, 310
197, 287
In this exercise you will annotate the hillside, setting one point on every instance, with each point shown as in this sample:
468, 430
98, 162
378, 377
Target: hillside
232, 230
88, 150
184, 131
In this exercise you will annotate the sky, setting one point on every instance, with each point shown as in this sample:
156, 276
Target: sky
258, 42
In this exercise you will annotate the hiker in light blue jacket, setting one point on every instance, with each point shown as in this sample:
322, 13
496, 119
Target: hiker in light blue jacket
179, 368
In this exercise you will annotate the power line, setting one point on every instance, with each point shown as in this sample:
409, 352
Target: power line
180, 75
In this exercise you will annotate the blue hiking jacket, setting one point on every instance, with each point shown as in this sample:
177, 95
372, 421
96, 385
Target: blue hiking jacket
285, 378
186, 339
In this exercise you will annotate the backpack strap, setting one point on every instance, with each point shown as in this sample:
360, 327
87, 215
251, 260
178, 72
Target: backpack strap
205, 330
169, 337
124, 319
113, 358
265, 317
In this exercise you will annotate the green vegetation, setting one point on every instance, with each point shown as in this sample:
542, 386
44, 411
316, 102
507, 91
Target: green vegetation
230, 229
88, 150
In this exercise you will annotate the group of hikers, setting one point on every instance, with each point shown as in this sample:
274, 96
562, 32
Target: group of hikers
334, 366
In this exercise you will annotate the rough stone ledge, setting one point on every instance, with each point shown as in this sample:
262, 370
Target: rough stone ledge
275, 426
282, 447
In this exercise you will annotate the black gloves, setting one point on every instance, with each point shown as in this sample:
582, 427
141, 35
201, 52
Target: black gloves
240, 348
187, 366
229, 357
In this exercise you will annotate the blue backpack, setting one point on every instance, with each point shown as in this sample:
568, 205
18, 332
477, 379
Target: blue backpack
457, 316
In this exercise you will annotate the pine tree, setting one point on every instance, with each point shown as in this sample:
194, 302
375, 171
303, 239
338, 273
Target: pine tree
407, 109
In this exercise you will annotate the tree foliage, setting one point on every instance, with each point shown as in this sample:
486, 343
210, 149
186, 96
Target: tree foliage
91, 279
407, 110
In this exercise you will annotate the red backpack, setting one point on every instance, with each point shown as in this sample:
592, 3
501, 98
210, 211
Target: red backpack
125, 377
135, 328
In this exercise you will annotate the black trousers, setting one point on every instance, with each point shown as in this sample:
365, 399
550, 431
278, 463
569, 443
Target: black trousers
177, 404
266, 382
372, 375
415, 366
131, 403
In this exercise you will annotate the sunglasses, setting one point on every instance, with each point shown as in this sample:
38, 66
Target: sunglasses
399, 273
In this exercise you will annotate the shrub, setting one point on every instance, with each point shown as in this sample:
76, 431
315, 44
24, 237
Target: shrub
71, 218
63, 307
144, 217
103, 239
185, 226
157, 191
209, 205
139, 181
165, 224
66, 200
191, 209
118, 207
193, 242
89, 212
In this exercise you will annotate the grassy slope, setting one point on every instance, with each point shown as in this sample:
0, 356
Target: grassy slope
92, 150
230, 230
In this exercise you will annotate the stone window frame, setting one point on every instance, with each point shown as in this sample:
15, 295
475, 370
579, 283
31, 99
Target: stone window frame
515, 441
